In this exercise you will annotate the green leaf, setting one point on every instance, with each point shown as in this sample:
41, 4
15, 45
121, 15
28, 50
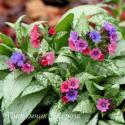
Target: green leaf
112, 90
18, 28
94, 120
111, 122
49, 79
33, 87
3, 74
1, 89
44, 47
85, 106
3, 61
119, 98
116, 80
84, 77
6, 40
108, 68
117, 116
82, 26
122, 24
21, 108
63, 26
14, 84
102, 123
90, 87
88, 10
67, 117
95, 97
66, 60
101, 18
5, 50
11, 25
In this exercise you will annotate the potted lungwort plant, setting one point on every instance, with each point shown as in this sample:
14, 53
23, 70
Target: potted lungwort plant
73, 72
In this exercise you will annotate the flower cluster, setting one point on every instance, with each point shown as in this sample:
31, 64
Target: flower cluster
96, 44
35, 37
69, 90
103, 104
18, 61
47, 59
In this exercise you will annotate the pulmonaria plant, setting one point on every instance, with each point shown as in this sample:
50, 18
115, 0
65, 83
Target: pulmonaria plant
96, 44
76, 67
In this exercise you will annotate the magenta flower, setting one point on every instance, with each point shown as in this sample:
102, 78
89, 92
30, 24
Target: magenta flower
96, 54
72, 95
72, 40
72, 45
111, 31
81, 45
73, 36
47, 59
73, 83
113, 37
95, 36
35, 37
109, 27
112, 48
103, 104
27, 68
65, 86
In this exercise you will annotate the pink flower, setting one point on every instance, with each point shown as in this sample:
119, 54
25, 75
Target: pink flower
65, 86
64, 99
52, 31
27, 68
102, 57
96, 54
72, 40
86, 52
112, 48
74, 83
35, 37
72, 45
103, 105
47, 59
11, 66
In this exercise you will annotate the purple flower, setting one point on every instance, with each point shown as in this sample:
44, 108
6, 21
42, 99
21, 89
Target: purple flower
72, 40
17, 59
103, 104
73, 36
109, 27
72, 95
81, 45
95, 36
113, 37
111, 31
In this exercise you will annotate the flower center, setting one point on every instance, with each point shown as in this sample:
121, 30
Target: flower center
81, 44
72, 83
103, 104
71, 93
95, 53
